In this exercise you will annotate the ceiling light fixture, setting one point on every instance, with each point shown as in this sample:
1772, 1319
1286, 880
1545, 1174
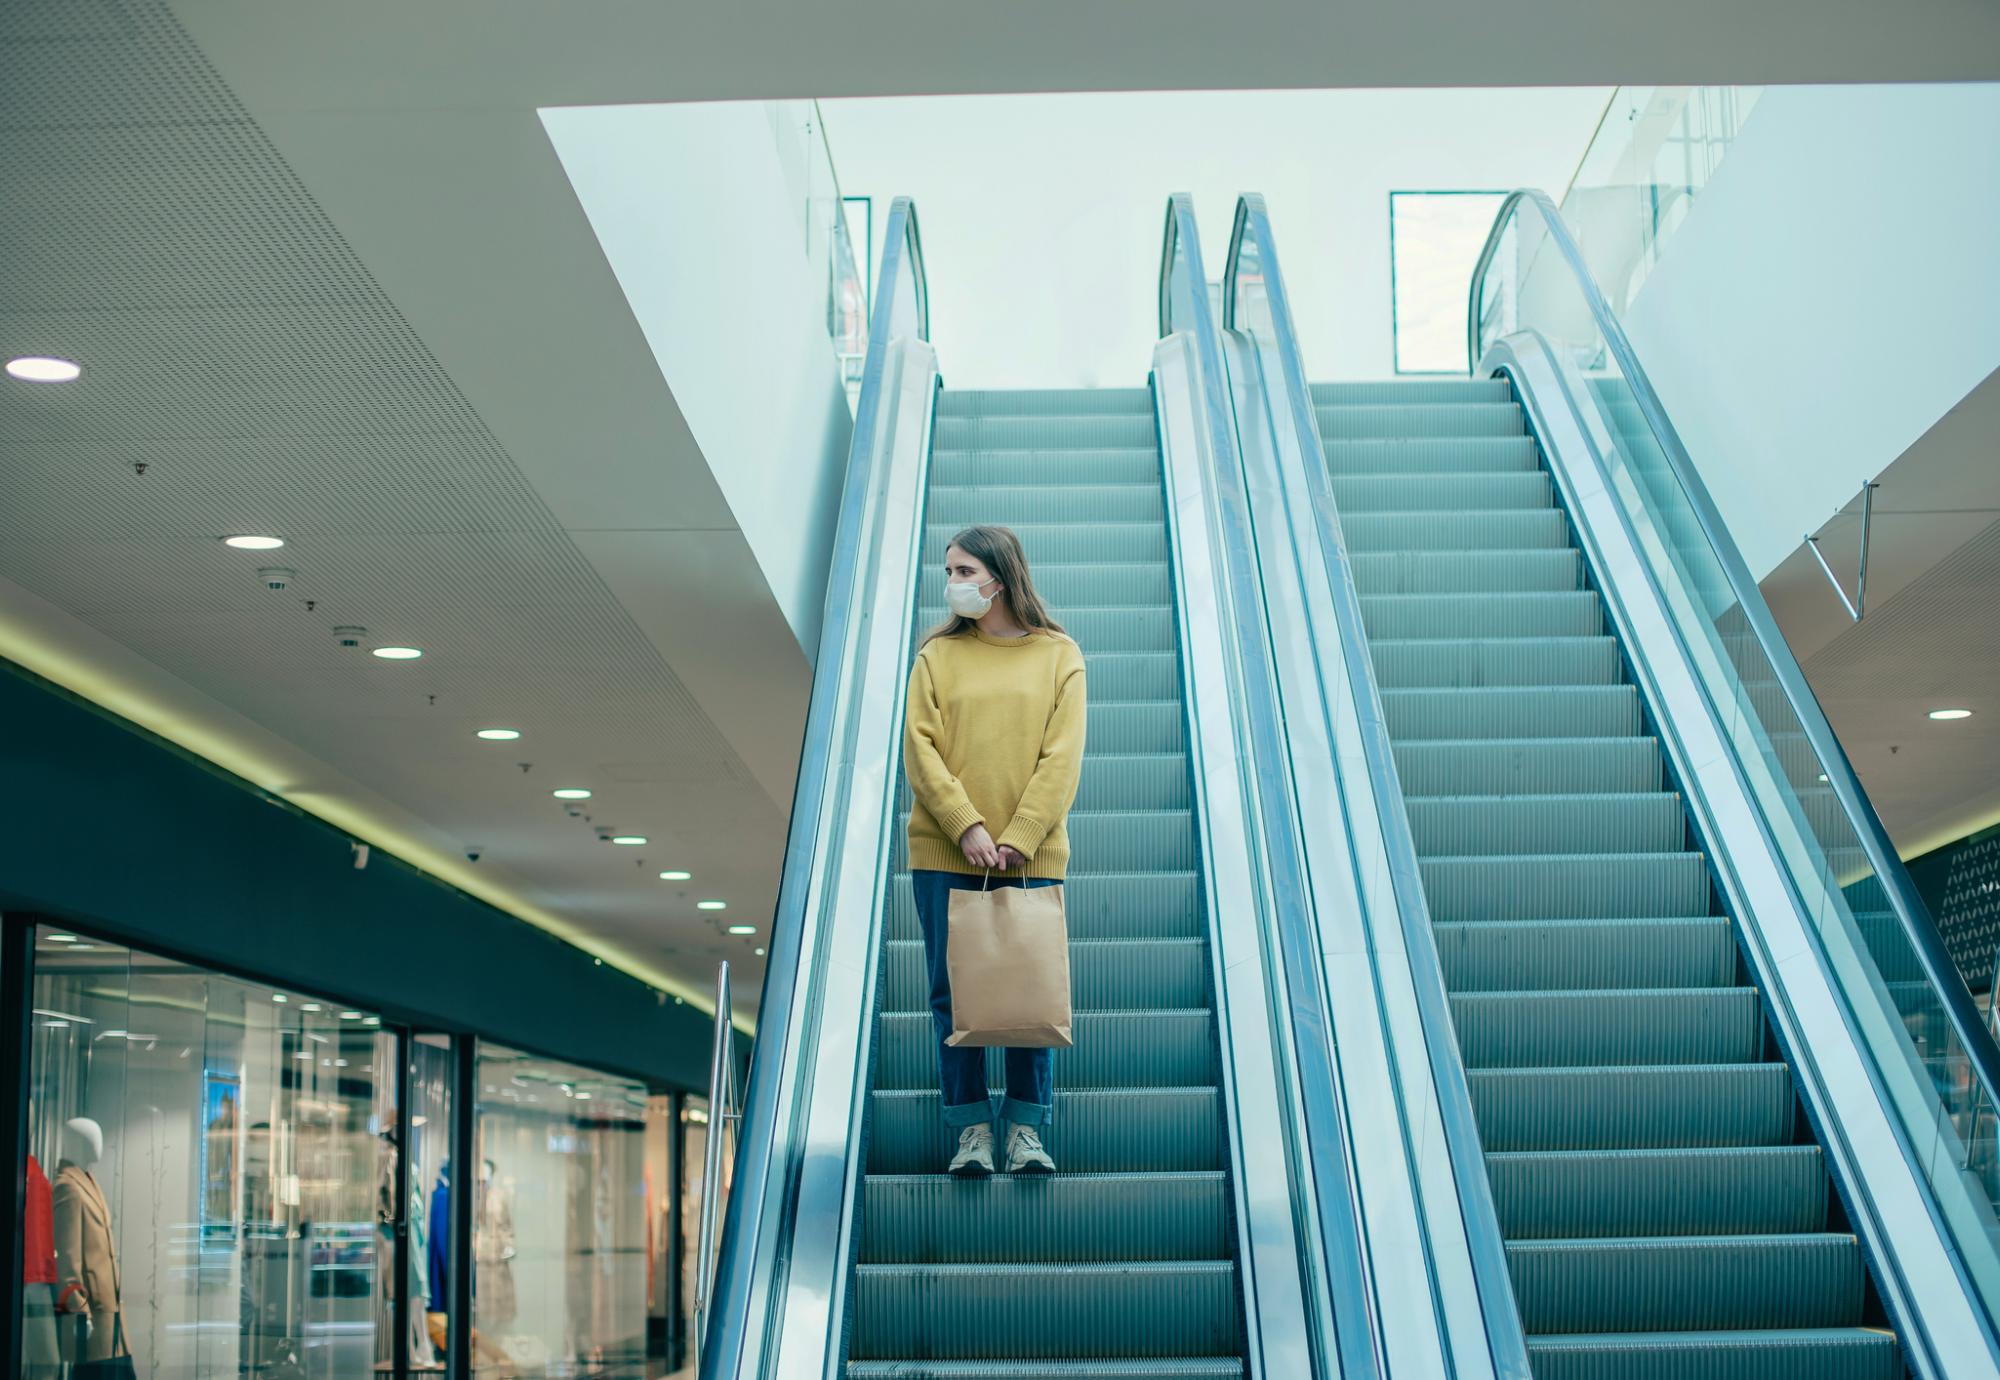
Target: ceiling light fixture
254, 543
350, 1015
629, 840
43, 369
711, 905
571, 793
399, 653
1951, 713
676, 875
499, 735
759, 953
60, 938
279, 997
743, 929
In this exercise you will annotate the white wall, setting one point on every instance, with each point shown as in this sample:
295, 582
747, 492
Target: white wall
1042, 215
1830, 297
699, 222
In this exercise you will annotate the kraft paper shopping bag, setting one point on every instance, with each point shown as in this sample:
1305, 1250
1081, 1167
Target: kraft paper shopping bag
1007, 952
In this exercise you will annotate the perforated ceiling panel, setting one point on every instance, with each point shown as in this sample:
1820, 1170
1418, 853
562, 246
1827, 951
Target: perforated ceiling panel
244, 373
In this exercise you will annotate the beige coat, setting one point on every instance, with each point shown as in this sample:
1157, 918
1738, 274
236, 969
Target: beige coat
86, 1254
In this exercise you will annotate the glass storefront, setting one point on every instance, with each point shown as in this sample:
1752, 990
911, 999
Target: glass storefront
218, 1172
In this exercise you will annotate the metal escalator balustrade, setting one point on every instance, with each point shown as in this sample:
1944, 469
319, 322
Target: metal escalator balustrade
1123, 1263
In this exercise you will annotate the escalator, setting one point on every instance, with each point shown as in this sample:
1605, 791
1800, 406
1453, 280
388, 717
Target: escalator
1664, 1204
1124, 1262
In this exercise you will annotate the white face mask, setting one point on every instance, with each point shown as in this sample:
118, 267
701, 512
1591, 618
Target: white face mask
966, 601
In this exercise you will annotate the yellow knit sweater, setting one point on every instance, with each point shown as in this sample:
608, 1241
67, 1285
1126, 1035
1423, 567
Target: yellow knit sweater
993, 735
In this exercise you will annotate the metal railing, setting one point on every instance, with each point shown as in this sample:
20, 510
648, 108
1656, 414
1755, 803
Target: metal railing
723, 1117
1255, 301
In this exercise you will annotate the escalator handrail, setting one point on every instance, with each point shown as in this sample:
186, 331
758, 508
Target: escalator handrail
1323, 1132
1485, 1241
794, 931
1912, 915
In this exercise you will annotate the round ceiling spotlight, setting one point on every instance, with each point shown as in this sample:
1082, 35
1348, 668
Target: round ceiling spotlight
760, 953
499, 735
43, 369
676, 875
399, 653
1951, 713
248, 542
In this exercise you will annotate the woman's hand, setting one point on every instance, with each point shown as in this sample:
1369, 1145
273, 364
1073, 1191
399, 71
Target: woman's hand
1011, 858
978, 848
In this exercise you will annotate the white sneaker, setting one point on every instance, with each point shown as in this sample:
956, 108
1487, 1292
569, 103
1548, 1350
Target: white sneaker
1025, 1154
974, 1159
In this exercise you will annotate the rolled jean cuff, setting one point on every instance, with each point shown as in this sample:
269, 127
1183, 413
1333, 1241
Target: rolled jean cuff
1018, 1113
960, 1115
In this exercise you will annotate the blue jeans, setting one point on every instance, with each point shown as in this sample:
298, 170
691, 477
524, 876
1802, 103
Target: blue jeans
1031, 1073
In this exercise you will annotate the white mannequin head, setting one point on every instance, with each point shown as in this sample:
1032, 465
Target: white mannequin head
82, 1142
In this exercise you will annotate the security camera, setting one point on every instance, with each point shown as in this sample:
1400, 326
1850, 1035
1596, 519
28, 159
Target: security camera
473, 851
349, 636
277, 576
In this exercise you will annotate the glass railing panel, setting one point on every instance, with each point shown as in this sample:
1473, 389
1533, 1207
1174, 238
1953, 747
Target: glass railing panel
799, 130
1907, 1002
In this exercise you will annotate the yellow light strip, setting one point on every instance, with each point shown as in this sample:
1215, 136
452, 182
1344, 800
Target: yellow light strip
35, 649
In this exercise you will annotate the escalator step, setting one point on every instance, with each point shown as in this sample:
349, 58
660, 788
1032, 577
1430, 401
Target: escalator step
1671, 1284
1008, 504
1529, 766
1132, 676
1051, 432
1097, 905
936, 1219
1401, 421
1406, 391
1565, 711
1454, 826
1116, 465
1410, 493
1104, 975
1512, 530
1830, 1353
1058, 542
1095, 1131
1566, 888
1072, 588
1132, 781
1548, 613
1468, 572
1047, 402
1441, 455
1134, 628
1124, 1309
1765, 1190
1610, 1108
1114, 1049
1162, 1367
1471, 662
1701, 1025
1543, 955
1114, 840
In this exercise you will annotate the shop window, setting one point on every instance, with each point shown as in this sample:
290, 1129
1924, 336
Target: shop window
1434, 244
206, 1187
559, 1220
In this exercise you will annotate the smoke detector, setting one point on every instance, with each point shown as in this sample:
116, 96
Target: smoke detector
277, 576
349, 636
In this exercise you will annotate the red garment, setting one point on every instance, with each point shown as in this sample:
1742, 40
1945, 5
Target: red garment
38, 1229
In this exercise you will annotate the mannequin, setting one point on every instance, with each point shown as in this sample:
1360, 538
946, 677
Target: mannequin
41, 1355
493, 1248
86, 1251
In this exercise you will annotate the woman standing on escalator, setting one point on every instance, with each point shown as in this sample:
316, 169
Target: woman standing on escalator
993, 745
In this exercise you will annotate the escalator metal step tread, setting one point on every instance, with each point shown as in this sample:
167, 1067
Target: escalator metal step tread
1160, 1367
1080, 585
1113, 1049
1056, 542
1104, 974
1404, 391
1012, 503
1124, 1308
1434, 455
1517, 955
1097, 905
1109, 465
1045, 402
1613, 1107
936, 1219
1814, 1353
1077, 431
1661, 1221
1739, 1190
1474, 663
1116, 840
1107, 1131
1681, 1283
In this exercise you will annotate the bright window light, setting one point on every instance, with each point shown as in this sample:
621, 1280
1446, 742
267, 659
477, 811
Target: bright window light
1434, 243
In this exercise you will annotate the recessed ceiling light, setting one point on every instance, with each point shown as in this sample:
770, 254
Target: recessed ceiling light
571, 793
373, 1020
760, 953
676, 876
60, 938
629, 840
711, 905
350, 1015
499, 735
252, 543
279, 997
311, 1006
743, 929
43, 369
1951, 713
399, 653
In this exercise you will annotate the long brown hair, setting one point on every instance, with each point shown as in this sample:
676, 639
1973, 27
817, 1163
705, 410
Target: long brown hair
999, 550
